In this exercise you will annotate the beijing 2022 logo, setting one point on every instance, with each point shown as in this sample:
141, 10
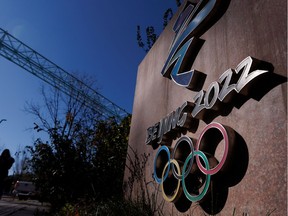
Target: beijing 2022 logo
189, 171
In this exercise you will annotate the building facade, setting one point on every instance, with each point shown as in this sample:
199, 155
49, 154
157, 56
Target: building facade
209, 122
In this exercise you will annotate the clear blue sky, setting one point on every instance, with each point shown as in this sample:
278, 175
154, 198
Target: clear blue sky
91, 37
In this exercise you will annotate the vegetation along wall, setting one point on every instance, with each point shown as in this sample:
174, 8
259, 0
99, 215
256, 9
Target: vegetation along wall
209, 125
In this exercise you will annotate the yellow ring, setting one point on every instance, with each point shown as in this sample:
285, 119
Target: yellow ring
171, 198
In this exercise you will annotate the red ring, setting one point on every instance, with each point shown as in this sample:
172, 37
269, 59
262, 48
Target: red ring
223, 131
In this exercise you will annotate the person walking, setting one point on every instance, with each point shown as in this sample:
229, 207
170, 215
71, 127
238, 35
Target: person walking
6, 162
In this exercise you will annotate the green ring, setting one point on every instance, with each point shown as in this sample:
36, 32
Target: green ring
207, 182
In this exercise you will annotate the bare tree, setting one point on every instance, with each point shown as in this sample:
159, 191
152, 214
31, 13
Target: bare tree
84, 154
151, 35
62, 163
21, 159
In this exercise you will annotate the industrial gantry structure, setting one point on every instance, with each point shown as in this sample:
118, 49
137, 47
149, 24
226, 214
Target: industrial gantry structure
24, 56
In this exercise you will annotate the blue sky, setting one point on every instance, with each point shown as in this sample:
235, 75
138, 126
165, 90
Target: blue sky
90, 37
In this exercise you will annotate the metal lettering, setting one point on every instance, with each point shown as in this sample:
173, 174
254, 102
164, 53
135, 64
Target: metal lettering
182, 119
206, 104
246, 75
209, 100
199, 103
149, 135
227, 86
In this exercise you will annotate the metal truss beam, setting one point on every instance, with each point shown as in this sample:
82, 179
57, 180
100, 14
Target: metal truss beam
24, 56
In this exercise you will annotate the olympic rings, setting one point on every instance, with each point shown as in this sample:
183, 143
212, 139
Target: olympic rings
207, 182
184, 153
173, 197
205, 134
157, 179
180, 142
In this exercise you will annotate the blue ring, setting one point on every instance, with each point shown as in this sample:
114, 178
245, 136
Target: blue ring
157, 179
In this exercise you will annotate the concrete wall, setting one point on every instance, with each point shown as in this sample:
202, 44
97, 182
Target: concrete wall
248, 28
